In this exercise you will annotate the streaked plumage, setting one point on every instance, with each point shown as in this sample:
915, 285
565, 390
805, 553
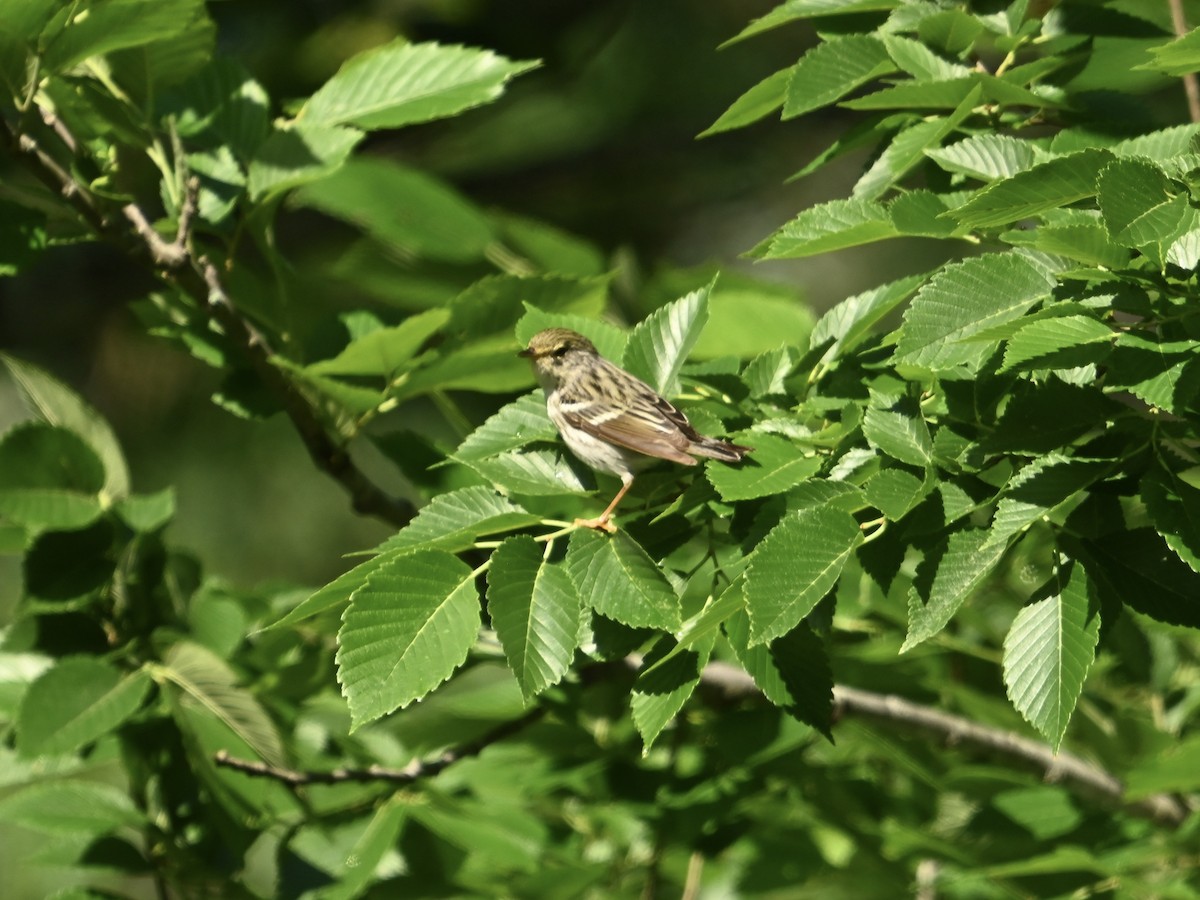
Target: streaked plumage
611, 420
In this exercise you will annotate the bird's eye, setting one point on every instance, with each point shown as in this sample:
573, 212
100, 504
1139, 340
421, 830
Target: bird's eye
560, 352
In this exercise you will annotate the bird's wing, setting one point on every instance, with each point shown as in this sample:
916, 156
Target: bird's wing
645, 422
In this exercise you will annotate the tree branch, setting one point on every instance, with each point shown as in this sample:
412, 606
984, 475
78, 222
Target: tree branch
415, 771
176, 263
1191, 86
1064, 768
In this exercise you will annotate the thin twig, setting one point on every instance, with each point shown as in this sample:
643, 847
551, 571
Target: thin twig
1191, 86
416, 770
1065, 768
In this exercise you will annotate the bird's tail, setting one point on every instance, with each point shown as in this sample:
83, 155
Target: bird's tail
714, 448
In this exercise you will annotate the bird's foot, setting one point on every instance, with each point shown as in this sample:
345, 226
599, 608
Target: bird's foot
600, 523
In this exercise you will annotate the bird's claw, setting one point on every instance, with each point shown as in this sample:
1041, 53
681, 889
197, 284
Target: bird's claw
600, 523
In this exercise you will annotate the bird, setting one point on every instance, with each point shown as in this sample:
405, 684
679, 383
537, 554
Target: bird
612, 421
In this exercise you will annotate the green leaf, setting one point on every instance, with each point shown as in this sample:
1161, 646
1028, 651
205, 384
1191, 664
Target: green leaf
49, 508
664, 683
943, 94
405, 632
492, 306
535, 610
57, 404
832, 69
968, 560
793, 10
907, 150
660, 344
852, 320
454, 521
775, 465
450, 522
101, 28
764, 375
829, 226
222, 105
297, 153
1131, 191
1086, 242
403, 208
1047, 654
795, 566
534, 473
385, 350
74, 703
524, 421
71, 808
745, 320
921, 213
1045, 811
988, 157
402, 84
903, 437
1052, 184
147, 512
761, 100
1178, 57
1175, 769
49, 478
792, 672
362, 860
1041, 488
963, 299
894, 492
209, 681
1174, 507
618, 579
921, 62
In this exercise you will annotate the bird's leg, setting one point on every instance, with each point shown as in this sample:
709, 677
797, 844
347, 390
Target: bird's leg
603, 521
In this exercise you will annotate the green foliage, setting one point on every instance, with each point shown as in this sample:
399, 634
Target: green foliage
979, 475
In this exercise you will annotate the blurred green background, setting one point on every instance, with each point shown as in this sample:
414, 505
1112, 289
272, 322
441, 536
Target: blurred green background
600, 142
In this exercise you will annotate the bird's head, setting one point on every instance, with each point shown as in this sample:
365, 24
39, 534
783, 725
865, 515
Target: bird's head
554, 350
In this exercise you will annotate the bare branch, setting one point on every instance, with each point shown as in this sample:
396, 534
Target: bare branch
1065, 768
199, 279
1191, 86
327, 455
415, 771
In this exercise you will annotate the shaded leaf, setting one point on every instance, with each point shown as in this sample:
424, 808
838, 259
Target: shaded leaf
74, 703
966, 563
664, 683
57, 404
403, 208
70, 808
209, 682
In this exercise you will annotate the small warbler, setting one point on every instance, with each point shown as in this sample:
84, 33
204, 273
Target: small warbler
611, 420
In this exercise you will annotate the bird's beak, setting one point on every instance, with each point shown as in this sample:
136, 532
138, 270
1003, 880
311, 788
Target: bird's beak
526, 353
